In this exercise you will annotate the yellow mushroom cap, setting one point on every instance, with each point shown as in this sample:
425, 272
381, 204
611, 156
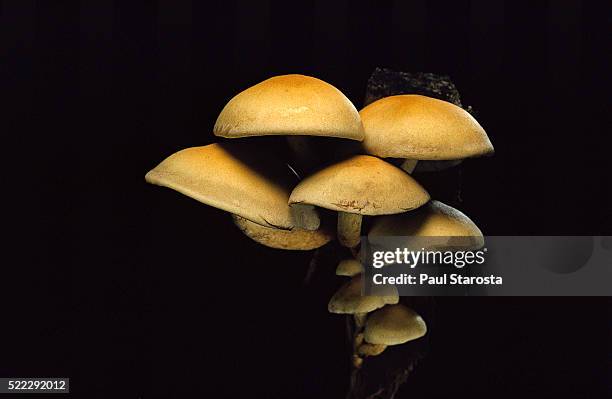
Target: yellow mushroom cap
290, 105
348, 299
236, 178
435, 219
394, 325
423, 128
349, 267
361, 184
295, 239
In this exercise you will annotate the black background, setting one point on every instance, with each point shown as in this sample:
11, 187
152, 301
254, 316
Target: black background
132, 290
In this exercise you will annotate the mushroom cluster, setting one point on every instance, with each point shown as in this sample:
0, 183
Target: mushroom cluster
271, 203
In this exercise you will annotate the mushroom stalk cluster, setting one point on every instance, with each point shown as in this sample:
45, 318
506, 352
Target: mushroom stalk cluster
273, 206
349, 229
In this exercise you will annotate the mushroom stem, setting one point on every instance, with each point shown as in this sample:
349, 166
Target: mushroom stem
409, 164
349, 229
360, 319
357, 361
312, 265
355, 330
304, 217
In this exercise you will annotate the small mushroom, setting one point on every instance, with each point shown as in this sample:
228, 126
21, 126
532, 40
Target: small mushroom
394, 325
349, 268
419, 128
435, 219
295, 239
366, 349
356, 186
349, 300
236, 177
